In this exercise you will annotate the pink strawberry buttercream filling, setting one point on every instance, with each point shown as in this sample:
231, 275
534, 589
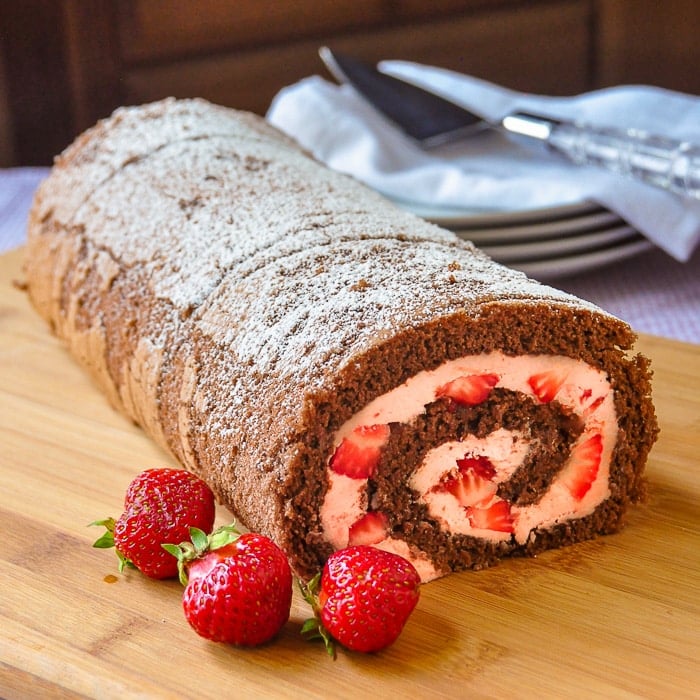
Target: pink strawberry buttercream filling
579, 487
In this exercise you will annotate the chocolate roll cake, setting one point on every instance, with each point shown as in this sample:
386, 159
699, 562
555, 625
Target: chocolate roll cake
338, 370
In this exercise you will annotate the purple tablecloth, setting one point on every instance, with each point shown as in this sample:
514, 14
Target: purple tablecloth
652, 292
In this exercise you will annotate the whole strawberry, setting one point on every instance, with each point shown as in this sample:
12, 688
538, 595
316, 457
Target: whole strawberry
363, 598
238, 588
160, 506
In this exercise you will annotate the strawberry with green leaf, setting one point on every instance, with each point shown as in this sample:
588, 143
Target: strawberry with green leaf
160, 506
238, 587
362, 599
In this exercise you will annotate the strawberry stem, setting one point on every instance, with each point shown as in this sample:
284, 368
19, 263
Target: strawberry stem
200, 544
106, 541
223, 536
313, 628
199, 540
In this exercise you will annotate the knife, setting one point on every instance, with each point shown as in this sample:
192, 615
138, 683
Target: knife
432, 120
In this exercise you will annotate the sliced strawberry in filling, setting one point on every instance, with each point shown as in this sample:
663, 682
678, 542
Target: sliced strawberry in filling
472, 484
481, 465
593, 406
583, 466
469, 390
496, 517
371, 528
546, 385
359, 453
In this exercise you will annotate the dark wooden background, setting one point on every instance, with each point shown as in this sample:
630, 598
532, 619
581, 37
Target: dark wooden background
66, 63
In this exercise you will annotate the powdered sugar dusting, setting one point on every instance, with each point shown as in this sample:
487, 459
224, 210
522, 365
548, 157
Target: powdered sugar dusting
287, 265
218, 219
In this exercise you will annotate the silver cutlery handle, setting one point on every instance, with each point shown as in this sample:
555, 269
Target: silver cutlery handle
663, 162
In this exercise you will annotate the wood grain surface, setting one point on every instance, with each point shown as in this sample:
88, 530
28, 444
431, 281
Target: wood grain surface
615, 617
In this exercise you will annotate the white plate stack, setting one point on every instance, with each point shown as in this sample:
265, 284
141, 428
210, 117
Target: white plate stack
544, 243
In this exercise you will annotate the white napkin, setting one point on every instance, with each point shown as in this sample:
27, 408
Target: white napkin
493, 171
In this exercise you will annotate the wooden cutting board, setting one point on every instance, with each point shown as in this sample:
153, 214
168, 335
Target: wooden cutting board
618, 616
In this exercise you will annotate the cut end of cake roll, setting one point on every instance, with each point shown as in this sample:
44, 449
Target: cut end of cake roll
495, 446
338, 370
